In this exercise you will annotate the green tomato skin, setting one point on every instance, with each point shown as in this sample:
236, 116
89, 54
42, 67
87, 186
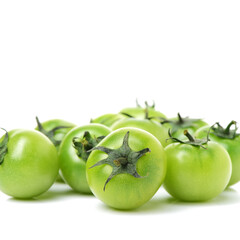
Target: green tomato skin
124, 191
138, 112
30, 166
153, 127
108, 119
72, 167
196, 174
233, 148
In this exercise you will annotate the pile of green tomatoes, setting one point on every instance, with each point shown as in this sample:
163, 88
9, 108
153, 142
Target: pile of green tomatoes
122, 158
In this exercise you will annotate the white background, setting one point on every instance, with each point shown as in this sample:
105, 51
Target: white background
79, 59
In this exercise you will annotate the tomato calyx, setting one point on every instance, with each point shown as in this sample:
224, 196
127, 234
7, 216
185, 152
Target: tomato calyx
127, 115
146, 105
84, 144
191, 140
227, 132
144, 109
50, 134
122, 160
180, 122
3, 146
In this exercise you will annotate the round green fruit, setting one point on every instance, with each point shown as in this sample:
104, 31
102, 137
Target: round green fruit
197, 170
28, 163
230, 140
127, 168
74, 152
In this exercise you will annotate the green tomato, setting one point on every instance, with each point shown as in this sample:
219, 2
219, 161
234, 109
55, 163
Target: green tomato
153, 127
197, 170
55, 130
127, 168
108, 119
178, 124
73, 154
29, 165
230, 143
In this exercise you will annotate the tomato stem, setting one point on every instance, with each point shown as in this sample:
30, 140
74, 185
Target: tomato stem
146, 104
191, 140
227, 129
84, 144
180, 119
146, 109
180, 122
189, 136
122, 160
146, 113
226, 133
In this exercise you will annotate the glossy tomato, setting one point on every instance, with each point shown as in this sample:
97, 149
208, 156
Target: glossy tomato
127, 168
197, 170
29, 163
73, 154
230, 140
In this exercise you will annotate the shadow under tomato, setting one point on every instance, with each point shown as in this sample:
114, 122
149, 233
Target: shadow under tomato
56, 192
163, 203
168, 204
